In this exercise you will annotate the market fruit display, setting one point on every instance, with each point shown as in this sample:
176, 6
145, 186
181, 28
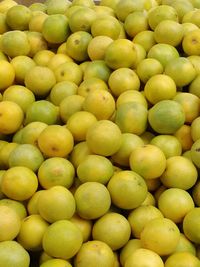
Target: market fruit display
100, 133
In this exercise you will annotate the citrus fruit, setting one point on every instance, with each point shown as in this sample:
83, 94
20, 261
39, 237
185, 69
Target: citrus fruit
160, 235
36, 41
117, 236
67, 236
20, 95
32, 204
32, 241
195, 129
145, 38
166, 116
180, 173
131, 117
97, 69
43, 57
136, 22
131, 96
103, 169
140, 216
159, 87
91, 84
11, 117
7, 74
92, 200
104, 138
191, 43
182, 259
37, 19
41, 111
13, 254
40, 80
100, 103
124, 76
142, 256
55, 28
56, 171
185, 245
175, 203
55, 141
79, 153
195, 153
120, 53
56, 203
15, 43
128, 249
10, 223
56, 262
5, 153
26, 155
94, 252
127, 189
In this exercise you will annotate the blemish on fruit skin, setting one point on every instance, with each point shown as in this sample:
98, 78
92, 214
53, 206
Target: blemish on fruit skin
62, 73
197, 149
76, 42
194, 41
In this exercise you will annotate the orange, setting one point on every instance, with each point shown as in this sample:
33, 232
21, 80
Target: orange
184, 136
128, 249
97, 69
145, 38
79, 153
7, 74
37, 42
37, 20
91, 84
181, 259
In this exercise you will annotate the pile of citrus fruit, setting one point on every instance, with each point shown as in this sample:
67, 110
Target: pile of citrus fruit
100, 133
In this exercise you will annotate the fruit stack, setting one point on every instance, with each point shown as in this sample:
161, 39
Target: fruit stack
100, 133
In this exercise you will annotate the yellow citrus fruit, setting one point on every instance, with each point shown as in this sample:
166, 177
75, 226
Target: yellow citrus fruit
13, 254
55, 28
61, 90
184, 136
19, 183
32, 205
58, 7
145, 38
190, 225
37, 42
18, 17
17, 206
57, 60
166, 116
32, 242
55, 141
68, 71
6, 4
185, 178
191, 42
136, 22
84, 225
21, 65
82, 19
125, 76
79, 153
97, 47
194, 85
153, 163
190, 104
195, 61
94, 253
15, 43
56, 203
56, 171
169, 144
11, 117
104, 138
36, 21
41, 111
31, 132
103, 11
44, 257
175, 203
103, 170
97, 69
20, 95
127, 189
168, 32
165, 232
7, 74
159, 87
43, 57
185, 245
3, 25
143, 256
181, 71
195, 153
131, 117
182, 259
131, 96
147, 68
128, 249
195, 129
66, 235
5, 153
40, 80
120, 53
56, 263
92, 200
78, 124
91, 84
26, 155
100, 103
10, 223
140, 216
129, 142
117, 235
69, 105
